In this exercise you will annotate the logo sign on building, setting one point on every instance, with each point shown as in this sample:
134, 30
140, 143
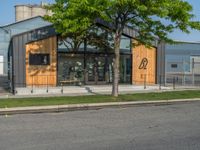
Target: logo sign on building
144, 63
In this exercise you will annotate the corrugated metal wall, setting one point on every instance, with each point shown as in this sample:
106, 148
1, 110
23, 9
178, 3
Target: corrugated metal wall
19, 59
161, 63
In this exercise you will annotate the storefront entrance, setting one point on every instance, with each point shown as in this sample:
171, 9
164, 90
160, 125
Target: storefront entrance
93, 69
96, 70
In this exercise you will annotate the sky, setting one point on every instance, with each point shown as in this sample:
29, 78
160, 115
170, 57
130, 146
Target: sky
7, 16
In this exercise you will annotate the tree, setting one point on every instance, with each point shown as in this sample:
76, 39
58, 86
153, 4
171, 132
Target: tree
150, 18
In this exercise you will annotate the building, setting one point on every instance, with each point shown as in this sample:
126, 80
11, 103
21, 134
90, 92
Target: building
23, 12
6, 33
39, 57
183, 63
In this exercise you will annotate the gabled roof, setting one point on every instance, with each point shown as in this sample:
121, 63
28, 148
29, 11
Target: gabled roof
187, 42
8, 25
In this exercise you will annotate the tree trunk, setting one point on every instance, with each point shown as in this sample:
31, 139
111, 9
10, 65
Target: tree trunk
116, 64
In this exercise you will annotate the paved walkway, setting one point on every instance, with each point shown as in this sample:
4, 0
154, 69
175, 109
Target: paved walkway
85, 90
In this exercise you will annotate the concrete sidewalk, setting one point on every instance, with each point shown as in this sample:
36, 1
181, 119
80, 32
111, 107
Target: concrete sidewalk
91, 90
75, 107
85, 90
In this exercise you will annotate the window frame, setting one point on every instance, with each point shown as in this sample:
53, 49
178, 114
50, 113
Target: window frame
35, 59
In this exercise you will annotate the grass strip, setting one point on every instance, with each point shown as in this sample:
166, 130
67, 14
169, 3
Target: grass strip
45, 101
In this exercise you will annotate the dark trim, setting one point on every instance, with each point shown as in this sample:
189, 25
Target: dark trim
47, 37
92, 53
156, 69
184, 42
13, 76
131, 50
57, 60
16, 35
84, 59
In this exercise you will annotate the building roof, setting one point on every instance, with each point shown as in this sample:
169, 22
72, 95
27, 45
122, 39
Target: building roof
41, 5
187, 42
20, 21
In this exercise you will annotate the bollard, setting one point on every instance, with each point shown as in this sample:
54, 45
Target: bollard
174, 83
62, 88
32, 85
145, 84
160, 78
47, 85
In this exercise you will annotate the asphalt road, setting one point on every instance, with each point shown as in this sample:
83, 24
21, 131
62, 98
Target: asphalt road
169, 127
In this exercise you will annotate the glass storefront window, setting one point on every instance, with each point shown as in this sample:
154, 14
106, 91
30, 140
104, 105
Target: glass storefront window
125, 45
98, 69
101, 40
125, 69
70, 69
67, 45
93, 62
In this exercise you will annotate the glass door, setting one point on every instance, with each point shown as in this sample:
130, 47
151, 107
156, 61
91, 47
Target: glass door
125, 69
90, 70
95, 70
101, 69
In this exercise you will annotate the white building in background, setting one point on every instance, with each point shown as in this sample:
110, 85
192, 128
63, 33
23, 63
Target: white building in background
10, 30
24, 11
1, 65
27, 17
195, 64
182, 61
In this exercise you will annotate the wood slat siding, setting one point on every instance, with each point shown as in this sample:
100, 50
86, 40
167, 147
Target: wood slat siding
138, 75
41, 75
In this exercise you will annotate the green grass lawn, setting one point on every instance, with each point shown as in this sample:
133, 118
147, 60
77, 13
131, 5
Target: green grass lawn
22, 102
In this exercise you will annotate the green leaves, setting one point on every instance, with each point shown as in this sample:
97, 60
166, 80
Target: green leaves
152, 18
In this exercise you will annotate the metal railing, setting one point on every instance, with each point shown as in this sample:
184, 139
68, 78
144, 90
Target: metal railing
185, 73
4, 84
35, 81
45, 82
183, 79
145, 80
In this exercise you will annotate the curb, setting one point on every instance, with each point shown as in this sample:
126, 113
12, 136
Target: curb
92, 106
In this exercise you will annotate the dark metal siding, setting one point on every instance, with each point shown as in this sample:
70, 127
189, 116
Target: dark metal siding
161, 63
19, 60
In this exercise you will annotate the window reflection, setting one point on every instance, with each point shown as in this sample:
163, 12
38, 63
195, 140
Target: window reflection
93, 62
70, 69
